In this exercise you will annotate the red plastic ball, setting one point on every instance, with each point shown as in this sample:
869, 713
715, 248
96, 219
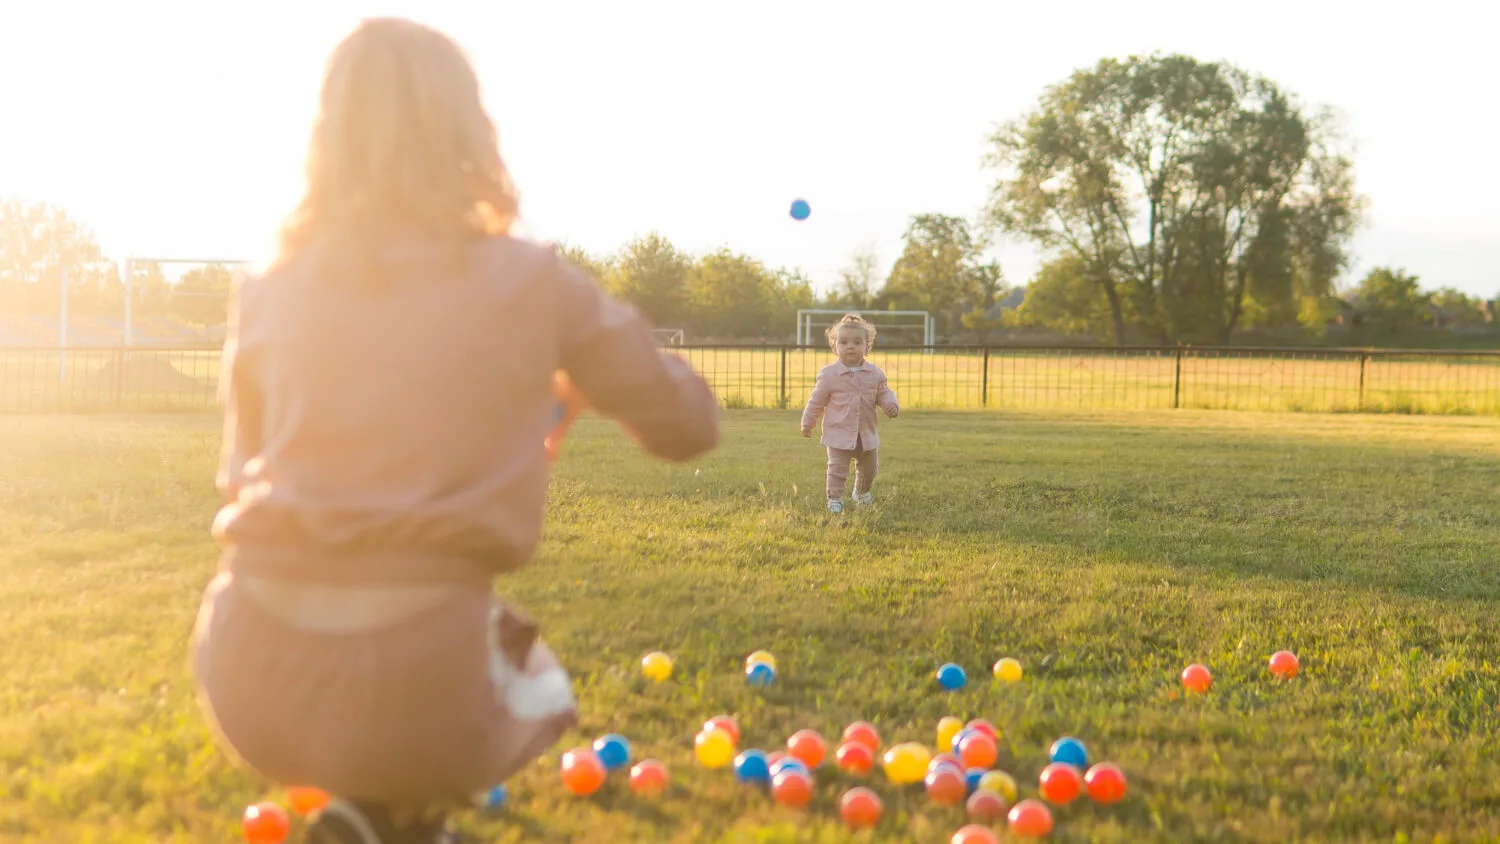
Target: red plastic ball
975, 834
1284, 665
807, 746
855, 758
649, 777
1060, 783
725, 723
1105, 783
1197, 678
792, 788
1031, 819
265, 823
582, 772
985, 806
860, 808
946, 787
977, 750
864, 733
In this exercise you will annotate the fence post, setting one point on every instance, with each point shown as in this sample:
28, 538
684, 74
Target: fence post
1177, 382
984, 380
781, 385
120, 378
1364, 358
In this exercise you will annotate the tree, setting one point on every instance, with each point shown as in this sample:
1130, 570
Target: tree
201, 296
1062, 298
652, 274
597, 268
941, 269
857, 281
733, 295
1461, 309
1391, 300
38, 245
1187, 189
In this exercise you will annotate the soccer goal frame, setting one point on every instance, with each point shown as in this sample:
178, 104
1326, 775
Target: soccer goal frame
669, 336
131, 261
805, 322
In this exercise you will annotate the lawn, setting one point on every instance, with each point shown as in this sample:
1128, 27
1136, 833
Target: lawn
1103, 550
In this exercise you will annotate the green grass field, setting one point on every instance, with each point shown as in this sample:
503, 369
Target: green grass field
42, 380
1103, 550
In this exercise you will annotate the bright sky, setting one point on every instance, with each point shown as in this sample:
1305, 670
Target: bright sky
177, 128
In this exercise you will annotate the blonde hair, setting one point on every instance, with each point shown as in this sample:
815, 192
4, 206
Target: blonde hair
401, 145
851, 321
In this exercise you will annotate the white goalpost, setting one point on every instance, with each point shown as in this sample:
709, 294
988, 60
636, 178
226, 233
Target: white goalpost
133, 261
808, 320
669, 336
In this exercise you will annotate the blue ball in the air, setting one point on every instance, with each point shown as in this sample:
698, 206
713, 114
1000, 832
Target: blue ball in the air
801, 210
751, 767
951, 677
613, 751
1070, 751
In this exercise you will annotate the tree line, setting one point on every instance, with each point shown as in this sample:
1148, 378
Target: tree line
1173, 200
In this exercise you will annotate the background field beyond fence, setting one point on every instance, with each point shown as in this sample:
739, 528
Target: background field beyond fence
1311, 380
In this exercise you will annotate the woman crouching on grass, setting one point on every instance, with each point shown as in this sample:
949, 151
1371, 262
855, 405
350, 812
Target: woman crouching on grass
388, 385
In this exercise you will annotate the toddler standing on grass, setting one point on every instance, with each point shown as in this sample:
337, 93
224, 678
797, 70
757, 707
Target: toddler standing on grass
845, 398
388, 385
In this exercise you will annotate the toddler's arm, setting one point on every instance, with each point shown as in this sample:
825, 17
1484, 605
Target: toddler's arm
241, 401
606, 349
816, 404
885, 397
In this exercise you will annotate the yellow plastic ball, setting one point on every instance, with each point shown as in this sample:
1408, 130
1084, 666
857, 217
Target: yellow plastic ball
656, 666
714, 748
761, 657
946, 730
906, 763
999, 782
1008, 670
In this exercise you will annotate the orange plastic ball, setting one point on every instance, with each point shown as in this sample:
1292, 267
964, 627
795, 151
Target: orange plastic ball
1105, 783
975, 834
855, 758
1284, 665
649, 777
977, 750
1196, 678
792, 788
860, 808
864, 733
582, 772
946, 786
986, 806
807, 746
265, 823
306, 800
725, 723
1060, 783
1031, 819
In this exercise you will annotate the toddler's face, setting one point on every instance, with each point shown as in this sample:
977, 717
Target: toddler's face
851, 346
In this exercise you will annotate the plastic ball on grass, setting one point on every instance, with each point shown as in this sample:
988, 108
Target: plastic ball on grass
1008, 670
1105, 783
946, 760
265, 823
863, 732
972, 778
999, 782
1070, 751
760, 675
951, 677
306, 800
1197, 678
613, 750
986, 807
760, 658
752, 767
1060, 784
792, 788
1030, 819
1284, 665
582, 772
789, 763
906, 763
984, 726
808, 746
947, 728
657, 666
975, 834
860, 808
714, 748
649, 778
725, 723
977, 750
855, 758
945, 787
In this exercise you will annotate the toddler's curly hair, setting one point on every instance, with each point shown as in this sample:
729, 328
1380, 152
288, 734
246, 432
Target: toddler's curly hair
851, 321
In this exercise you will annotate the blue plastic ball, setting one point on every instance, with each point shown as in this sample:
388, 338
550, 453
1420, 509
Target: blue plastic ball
951, 677
789, 763
613, 750
971, 778
760, 675
1070, 751
801, 210
495, 798
958, 738
751, 767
